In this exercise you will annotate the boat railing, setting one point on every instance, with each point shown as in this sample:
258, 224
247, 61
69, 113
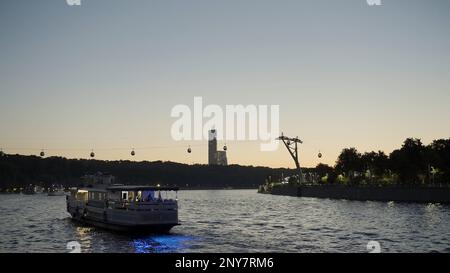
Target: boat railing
141, 205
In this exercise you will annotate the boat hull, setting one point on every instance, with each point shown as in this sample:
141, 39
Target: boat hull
157, 221
140, 229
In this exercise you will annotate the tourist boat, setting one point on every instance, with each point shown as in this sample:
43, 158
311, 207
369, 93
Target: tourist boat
103, 204
38, 189
30, 189
56, 192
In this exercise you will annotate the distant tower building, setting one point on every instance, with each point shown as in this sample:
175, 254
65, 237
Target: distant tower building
215, 157
222, 158
212, 147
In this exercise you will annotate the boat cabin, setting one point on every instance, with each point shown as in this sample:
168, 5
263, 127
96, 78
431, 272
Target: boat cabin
125, 196
142, 193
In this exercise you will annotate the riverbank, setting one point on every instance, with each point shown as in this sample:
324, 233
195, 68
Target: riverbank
367, 193
180, 188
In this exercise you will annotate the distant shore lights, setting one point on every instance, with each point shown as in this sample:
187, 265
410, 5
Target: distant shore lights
236, 122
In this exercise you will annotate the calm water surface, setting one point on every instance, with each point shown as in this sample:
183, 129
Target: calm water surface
236, 221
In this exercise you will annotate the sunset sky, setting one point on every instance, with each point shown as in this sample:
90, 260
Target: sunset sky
105, 75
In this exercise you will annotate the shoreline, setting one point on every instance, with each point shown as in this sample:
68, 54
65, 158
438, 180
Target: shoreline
367, 193
180, 189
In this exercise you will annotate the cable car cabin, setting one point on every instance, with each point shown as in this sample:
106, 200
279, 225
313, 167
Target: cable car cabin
125, 208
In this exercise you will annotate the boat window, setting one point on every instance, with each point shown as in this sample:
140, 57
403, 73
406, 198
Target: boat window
82, 195
125, 195
148, 196
114, 195
139, 196
131, 196
96, 196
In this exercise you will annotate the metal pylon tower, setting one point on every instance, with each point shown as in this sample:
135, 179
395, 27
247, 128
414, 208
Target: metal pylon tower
292, 147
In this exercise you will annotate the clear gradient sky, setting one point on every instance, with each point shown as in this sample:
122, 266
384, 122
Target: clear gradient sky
105, 75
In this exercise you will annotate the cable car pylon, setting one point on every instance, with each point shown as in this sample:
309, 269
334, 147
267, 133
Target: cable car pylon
292, 147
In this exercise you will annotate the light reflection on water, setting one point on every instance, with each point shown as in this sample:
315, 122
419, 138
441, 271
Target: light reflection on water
236, 221
161, 243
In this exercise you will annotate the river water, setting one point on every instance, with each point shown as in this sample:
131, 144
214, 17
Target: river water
236, 221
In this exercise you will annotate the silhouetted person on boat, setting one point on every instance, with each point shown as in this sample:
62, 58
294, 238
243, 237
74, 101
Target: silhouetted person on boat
159, 197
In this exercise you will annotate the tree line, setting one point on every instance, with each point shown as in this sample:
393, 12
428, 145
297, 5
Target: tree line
413, 164
20, 171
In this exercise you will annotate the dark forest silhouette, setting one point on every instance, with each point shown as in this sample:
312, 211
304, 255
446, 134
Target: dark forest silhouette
412, 164
20, 171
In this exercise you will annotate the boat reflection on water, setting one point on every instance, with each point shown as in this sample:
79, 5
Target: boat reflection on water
84, 236
168, 243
